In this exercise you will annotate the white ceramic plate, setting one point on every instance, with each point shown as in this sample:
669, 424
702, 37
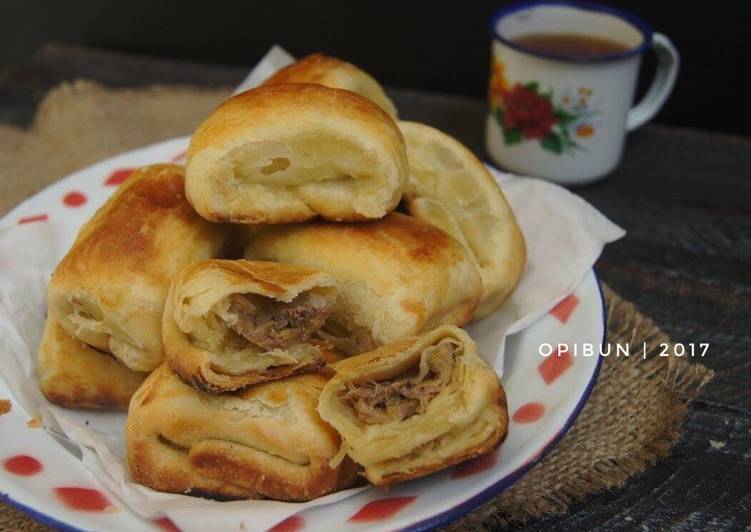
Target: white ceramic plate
545, 395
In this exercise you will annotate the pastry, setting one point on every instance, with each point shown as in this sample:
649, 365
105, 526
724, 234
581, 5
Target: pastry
416, 406
267, 441
109, 290
397, 277
291, 152
75, 375
449, 187
333, 72
229, 324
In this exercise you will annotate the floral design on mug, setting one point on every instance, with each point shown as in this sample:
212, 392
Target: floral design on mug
524, 113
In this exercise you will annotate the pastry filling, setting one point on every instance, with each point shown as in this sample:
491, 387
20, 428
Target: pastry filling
349, 340
271, 324
410, 393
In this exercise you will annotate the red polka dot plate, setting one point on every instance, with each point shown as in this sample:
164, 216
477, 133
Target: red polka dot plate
545, 395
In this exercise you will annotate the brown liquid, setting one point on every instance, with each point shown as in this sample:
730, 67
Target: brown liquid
570, 45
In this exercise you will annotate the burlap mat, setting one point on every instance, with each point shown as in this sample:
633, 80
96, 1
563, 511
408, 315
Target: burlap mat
632, 418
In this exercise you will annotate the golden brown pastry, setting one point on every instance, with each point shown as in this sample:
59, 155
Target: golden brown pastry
397, 276
449, 187
109, 290
75, 375
266, 441
229, 324
416, 406
333, 72
291, 152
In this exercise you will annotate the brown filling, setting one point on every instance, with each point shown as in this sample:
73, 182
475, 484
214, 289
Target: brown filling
351, 340
273, 324
406, 396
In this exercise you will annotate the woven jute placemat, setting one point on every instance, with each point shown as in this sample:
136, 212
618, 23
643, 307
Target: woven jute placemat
632, 418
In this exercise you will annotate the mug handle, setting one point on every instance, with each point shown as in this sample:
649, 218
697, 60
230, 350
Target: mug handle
668, 62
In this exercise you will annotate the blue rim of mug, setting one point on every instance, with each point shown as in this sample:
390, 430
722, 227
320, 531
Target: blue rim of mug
643, 27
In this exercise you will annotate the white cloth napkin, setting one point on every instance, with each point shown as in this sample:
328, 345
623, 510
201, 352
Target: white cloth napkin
564, 236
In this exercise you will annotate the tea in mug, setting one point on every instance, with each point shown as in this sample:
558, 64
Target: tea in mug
571, 45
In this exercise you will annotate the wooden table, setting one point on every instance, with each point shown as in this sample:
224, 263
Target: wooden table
684, 196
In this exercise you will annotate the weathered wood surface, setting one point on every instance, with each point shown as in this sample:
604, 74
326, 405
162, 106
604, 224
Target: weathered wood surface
684, 196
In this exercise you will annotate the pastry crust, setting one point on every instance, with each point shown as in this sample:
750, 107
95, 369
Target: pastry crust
202, 331
449, 187
74, 375
397, 277
265, 442
109, 290
463, 416
291, 152
333, 72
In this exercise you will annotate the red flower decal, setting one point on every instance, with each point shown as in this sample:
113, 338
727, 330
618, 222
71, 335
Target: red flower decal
118, 176
563, 310
476, 465
84, 499
382, 508
74, 199
166, 524
525, 110
292, 524
22, 465
37, 218
529, 412
555, 365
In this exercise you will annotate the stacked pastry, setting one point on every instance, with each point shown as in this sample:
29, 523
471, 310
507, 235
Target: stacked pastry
300, 333
106, 297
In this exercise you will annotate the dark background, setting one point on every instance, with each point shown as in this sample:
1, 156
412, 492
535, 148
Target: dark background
435, 45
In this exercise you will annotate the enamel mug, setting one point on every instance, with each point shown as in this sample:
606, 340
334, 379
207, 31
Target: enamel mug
566, 119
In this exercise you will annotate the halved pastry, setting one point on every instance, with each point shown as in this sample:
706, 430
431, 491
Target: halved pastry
109, 289
75, 375
291, 152
333, 72
449, 187
267, 441
416, 406
397, 277
229, 324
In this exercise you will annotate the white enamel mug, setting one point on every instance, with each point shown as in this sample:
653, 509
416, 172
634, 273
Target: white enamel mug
565, 119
